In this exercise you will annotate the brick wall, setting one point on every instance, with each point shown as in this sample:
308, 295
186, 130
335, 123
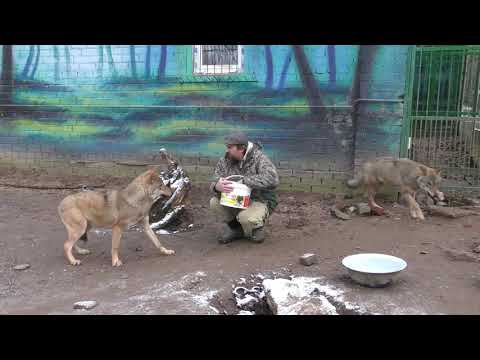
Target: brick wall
106, 110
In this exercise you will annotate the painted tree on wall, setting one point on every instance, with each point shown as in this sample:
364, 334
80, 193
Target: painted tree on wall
56, 56
6, 90
269, 64
309, 83
35, 65
111, 63
100, 62
133, 63
163, 62
31, 63
365, 58
67, 61
332, 66
28, 63
283, 74
147, 61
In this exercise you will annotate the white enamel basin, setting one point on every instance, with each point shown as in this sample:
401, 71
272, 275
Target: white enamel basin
374, 270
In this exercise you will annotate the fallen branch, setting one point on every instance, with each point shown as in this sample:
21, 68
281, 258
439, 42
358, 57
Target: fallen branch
167, 218
338, 213
450, 212
38, 187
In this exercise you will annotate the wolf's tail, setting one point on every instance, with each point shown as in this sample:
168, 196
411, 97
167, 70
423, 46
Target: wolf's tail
354, 183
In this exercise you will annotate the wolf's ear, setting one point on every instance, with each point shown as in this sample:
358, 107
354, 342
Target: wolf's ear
439, 172
151, 176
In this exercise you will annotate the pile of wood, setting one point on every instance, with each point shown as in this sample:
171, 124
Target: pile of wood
162, 214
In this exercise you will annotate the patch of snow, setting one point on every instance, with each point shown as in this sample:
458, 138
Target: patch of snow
167, 217
246, 300
180, 301
177, 183
203, 299
244, 312
214, 309
85, 305
162, 232
298, 294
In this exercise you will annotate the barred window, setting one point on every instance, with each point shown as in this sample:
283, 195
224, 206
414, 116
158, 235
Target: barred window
217, 59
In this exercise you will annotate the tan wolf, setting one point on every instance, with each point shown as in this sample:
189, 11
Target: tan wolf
409, 175
116, 209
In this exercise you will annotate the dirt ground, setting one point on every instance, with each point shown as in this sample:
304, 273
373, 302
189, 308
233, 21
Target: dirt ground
442, 276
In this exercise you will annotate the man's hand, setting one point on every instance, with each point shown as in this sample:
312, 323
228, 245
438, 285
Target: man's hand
224, 186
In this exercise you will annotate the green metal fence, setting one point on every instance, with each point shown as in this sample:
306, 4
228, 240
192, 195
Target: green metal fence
442, 111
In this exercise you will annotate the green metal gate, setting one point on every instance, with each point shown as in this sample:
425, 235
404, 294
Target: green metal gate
442, 112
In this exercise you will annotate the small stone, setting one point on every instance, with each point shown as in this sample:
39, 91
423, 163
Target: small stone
473, 202
364, 209
467, 225
308, 259
442, 203
423, 252
85, 305
456, 255
22, 267
295, 223
138, 248
124, 276
351, 209
477, 250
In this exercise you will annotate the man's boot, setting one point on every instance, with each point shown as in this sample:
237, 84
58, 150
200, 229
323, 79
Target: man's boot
234, 232
258, 235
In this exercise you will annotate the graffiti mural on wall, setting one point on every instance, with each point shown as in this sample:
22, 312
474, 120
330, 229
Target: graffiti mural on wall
101, 98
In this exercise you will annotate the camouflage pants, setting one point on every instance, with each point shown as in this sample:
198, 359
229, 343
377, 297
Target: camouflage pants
253, 217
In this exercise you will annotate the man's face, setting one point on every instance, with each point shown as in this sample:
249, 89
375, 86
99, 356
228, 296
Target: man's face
236, 151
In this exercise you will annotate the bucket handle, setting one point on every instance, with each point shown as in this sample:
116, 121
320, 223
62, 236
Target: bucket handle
234, 176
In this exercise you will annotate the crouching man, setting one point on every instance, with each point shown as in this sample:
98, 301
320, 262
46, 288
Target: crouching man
245, 158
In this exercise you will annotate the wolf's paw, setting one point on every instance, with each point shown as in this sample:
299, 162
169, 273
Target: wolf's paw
116, 262
167, 251
377, 210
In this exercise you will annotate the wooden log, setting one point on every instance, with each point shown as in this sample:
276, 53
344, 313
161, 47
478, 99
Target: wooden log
450, 212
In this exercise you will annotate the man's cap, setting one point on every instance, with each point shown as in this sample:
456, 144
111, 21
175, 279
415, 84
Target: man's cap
237, 138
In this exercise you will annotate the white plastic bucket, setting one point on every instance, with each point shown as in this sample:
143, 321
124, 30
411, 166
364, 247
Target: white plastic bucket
239, 197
